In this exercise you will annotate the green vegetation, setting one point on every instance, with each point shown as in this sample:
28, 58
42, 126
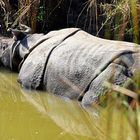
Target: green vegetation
120, 19
117, 19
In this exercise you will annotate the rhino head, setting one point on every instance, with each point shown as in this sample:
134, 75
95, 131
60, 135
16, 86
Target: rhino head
7, 44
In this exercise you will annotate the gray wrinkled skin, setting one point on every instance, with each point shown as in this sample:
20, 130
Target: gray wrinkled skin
5, 51
74, 64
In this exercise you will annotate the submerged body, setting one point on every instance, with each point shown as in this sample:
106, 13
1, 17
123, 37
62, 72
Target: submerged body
72, 63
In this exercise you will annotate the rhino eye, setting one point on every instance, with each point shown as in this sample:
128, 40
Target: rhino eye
4, 46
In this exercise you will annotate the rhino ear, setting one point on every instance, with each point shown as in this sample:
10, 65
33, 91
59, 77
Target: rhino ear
25, 28
20, 34
17, 34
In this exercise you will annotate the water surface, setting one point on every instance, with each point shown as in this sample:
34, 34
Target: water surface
26, 115
34, 115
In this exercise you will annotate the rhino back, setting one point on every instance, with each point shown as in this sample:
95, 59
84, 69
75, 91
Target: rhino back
78, 60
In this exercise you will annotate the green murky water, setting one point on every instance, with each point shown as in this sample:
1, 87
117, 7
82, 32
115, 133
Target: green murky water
32, 115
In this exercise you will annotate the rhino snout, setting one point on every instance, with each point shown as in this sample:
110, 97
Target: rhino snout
5, 58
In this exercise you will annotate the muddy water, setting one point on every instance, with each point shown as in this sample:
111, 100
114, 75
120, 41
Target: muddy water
26, 115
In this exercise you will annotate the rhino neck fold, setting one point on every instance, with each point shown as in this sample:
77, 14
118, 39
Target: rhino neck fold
13, 49
15, 57
41, 86
20, 49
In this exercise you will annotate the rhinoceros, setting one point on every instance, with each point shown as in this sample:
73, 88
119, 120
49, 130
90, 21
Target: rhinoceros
69, 62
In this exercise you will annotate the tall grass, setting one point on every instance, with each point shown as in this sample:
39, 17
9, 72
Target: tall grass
27, 13
122, 18
2, 5
119, 19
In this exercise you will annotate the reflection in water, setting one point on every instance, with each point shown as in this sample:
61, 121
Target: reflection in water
68, 115
40, 115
